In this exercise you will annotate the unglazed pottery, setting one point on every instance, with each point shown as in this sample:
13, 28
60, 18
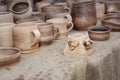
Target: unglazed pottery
99, 33
39, 5
52, 9
6, 34
100, 10
26, 37
9, 55
48, 33
63, 25
112, 21
6, 17
78, 45
84, 15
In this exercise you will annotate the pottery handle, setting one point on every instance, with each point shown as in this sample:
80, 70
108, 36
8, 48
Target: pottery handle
68, 9
70, 26
68, 16
56, 32
37, 36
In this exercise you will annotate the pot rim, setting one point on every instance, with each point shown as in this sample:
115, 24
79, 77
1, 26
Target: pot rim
92, 27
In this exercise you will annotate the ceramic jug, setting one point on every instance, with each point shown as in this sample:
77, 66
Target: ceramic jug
6, 34
84, 15
26, 37
78, 45
63, 25
48, 33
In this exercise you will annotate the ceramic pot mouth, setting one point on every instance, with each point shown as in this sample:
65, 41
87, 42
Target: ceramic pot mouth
8, 52
57, 20
20, 7
100, 29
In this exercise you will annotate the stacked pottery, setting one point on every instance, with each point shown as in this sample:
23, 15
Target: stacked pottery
21, 8
6, 34
84, 15
26, 37
48, 33
6, 17
63, 25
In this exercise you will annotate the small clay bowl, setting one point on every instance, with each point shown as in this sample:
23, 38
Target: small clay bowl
99, 33
9, 55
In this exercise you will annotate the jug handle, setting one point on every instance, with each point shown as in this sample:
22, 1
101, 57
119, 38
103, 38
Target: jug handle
56, 32
37, 36
70, 27
68, 16
68, 9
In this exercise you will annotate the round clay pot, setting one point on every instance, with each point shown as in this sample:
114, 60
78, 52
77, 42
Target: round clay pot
84, 15
52, 9
6, 17
99, 33
26, 37
6, 34
9, 55
48, 33
39, 5
3, 8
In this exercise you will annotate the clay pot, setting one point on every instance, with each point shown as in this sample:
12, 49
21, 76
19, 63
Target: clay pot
112, 6
9, 55
6, 17
21, 9
38, 15
63, 25
39, 5
59, 15
100, 10
52, 9
65, 4
3, 7
99, 33
26, 37
78, 45
84, 15
112, 21
48, 33
6, 34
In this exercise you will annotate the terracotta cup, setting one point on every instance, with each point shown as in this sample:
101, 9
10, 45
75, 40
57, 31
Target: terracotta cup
39, 5
6, 34
48, 33
63, 25
55, 9
6, 17
26, 37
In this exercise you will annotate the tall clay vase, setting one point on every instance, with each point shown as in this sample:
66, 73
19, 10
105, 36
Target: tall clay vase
6, 17
84, 15
6, 34
21, 9
26, 37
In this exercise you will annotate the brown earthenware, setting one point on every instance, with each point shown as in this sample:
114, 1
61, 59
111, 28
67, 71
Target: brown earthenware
63, 25
39, 5
48, 33
101, 33
9, 55
55, 9
84, 15
112, 21
6, 17
26, 37
6, 34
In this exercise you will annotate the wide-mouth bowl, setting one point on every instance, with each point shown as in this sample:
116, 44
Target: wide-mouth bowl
100, 29
20, 7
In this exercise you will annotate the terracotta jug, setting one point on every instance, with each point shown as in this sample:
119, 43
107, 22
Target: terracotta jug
6, 34
6, 17
63, 25
78, 45
48, 33
41, 4
84, 15
26, 37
